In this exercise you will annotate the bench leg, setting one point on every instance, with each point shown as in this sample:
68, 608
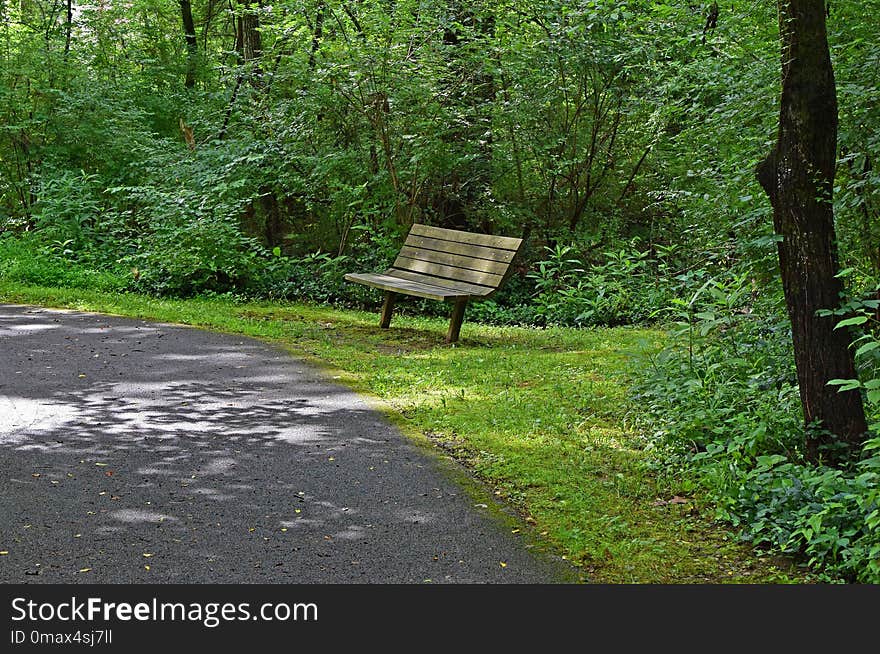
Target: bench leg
456, 320
387, 309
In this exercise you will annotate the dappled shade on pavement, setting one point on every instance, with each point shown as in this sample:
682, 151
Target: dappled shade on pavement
139, 453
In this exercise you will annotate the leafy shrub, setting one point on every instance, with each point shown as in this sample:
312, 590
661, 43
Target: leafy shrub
497, 311
722, 404
180, 230
627, 286
316, 277
69, 206
188, 257
832, 516
320, 276
860, 315
26, 259
726, 384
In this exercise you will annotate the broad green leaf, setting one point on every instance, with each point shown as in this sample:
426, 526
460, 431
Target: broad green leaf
867, 347
856, 320
845, 384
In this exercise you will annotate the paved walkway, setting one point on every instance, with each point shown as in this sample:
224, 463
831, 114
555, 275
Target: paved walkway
133, 452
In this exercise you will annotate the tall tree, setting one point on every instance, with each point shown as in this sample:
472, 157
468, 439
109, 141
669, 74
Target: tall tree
248, 40
317, 33
798, 177
192, 47
249, 50
68, 26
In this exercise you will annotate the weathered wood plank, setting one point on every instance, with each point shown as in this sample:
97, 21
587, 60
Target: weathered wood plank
449, 272
444, 264
455, 320
400, 285
504, 242
462, 288
457, 260
467, 249
387, 309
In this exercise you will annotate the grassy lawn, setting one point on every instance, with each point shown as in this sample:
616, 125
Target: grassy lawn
540, 416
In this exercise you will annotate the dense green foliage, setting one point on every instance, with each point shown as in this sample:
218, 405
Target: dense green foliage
724, 404
296, 141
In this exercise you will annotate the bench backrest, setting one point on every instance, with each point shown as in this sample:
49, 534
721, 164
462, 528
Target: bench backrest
478, 263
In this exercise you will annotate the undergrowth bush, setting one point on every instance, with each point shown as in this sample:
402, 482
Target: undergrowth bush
68, 208
626, 285
721, 407
185, 258
829, 515
29, 260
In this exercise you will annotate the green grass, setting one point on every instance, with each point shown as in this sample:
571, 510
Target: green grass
540, 416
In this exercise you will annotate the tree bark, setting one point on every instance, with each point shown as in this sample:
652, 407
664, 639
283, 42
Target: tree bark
192, 47
249, 41
798, 177
317, 34
68, 27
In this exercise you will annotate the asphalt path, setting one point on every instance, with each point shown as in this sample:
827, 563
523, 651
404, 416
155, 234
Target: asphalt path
136, 452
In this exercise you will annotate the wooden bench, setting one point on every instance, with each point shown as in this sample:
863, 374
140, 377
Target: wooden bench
446, 265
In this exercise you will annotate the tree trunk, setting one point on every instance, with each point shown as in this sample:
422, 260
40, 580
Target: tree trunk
273, 222
317, 35
798, 177
192, 48
249, 48
248, 40
68, 27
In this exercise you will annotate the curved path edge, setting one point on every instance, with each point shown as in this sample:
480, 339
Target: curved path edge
141, 452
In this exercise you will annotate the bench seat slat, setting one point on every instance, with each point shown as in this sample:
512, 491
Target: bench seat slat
503, 242
399, 285
448, 272
457, 260
474, 290
466, 249
444, 264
